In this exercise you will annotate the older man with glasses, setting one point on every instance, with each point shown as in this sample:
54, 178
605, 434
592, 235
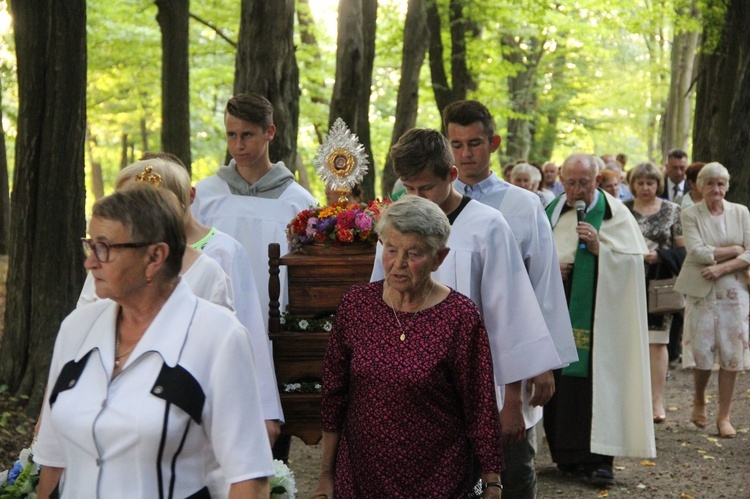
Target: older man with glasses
602, 403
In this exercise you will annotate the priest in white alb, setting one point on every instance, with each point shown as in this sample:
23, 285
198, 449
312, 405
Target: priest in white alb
602, 404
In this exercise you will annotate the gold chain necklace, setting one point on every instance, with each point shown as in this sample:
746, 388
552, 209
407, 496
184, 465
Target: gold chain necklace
119, 355
424, 300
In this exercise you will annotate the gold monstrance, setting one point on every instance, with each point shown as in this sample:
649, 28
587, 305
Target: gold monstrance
341, 161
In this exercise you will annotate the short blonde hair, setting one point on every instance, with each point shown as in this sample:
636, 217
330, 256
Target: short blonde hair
711, 171
173, 177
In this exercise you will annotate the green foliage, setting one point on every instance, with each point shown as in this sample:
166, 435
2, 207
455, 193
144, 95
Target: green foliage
713, 13
8, 84
124, 75
601, 76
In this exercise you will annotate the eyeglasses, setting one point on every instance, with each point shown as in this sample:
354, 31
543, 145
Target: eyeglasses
582, 184
100, 249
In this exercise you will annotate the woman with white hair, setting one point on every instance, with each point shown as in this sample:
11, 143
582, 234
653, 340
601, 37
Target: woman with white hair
529, 177
717, 237
409, 406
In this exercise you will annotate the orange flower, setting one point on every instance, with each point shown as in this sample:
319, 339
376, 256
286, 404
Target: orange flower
345, 235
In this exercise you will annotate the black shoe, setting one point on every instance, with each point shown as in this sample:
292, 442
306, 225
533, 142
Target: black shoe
602, 476
569, 469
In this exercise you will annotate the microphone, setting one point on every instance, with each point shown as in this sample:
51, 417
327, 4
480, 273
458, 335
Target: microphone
580, 207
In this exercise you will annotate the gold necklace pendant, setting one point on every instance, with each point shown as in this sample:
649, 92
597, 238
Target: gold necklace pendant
398, 321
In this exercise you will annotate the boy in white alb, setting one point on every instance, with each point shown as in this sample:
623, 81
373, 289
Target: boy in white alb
471, 132
252, 199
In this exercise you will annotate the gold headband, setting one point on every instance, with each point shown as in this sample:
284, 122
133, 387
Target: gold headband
149, 176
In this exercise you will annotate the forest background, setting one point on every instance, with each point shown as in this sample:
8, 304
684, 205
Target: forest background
88, 86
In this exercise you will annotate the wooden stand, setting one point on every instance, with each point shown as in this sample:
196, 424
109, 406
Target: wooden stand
317, 280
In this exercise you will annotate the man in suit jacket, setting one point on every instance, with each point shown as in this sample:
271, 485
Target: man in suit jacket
675, 187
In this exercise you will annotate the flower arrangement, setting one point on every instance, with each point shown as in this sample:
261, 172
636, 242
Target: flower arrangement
22, 479
301, 387
296, 325
335, 225
282, 483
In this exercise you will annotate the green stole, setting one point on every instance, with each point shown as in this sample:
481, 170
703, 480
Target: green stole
582, 295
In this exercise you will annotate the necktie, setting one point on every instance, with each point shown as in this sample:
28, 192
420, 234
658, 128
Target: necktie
468, 191
676, 191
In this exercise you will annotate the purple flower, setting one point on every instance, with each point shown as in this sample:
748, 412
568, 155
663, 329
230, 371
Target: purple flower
14, 472
363, 222
326, 225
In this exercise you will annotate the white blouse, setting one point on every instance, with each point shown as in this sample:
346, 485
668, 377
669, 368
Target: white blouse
185, 402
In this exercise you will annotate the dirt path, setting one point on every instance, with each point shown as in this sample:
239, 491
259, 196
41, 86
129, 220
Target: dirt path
690, 463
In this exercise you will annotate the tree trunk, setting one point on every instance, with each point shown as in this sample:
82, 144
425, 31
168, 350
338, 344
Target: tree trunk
4, 187
144, 139
349, 57
124, 151
544, 141
676, 120
653, 131
441, 87
460, 75
369, 24
46, 262
173, 18
316, 87
266, 65
302, 178
522, 94
416, 39
718, 78
355, 52
97, 180
461, 80
738, 140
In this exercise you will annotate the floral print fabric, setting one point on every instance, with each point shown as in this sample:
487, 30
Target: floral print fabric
661, 228
413, 415
660, 231
716, 327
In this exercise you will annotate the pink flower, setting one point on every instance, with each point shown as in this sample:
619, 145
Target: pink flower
312, 227
363, 222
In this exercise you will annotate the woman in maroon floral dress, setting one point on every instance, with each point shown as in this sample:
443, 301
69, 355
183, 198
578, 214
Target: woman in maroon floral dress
409, 406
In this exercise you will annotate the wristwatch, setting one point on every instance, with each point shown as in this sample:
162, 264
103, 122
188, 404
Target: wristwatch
487, 485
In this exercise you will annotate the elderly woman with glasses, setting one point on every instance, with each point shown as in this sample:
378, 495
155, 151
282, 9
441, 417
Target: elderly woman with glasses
152, 390
409, 406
